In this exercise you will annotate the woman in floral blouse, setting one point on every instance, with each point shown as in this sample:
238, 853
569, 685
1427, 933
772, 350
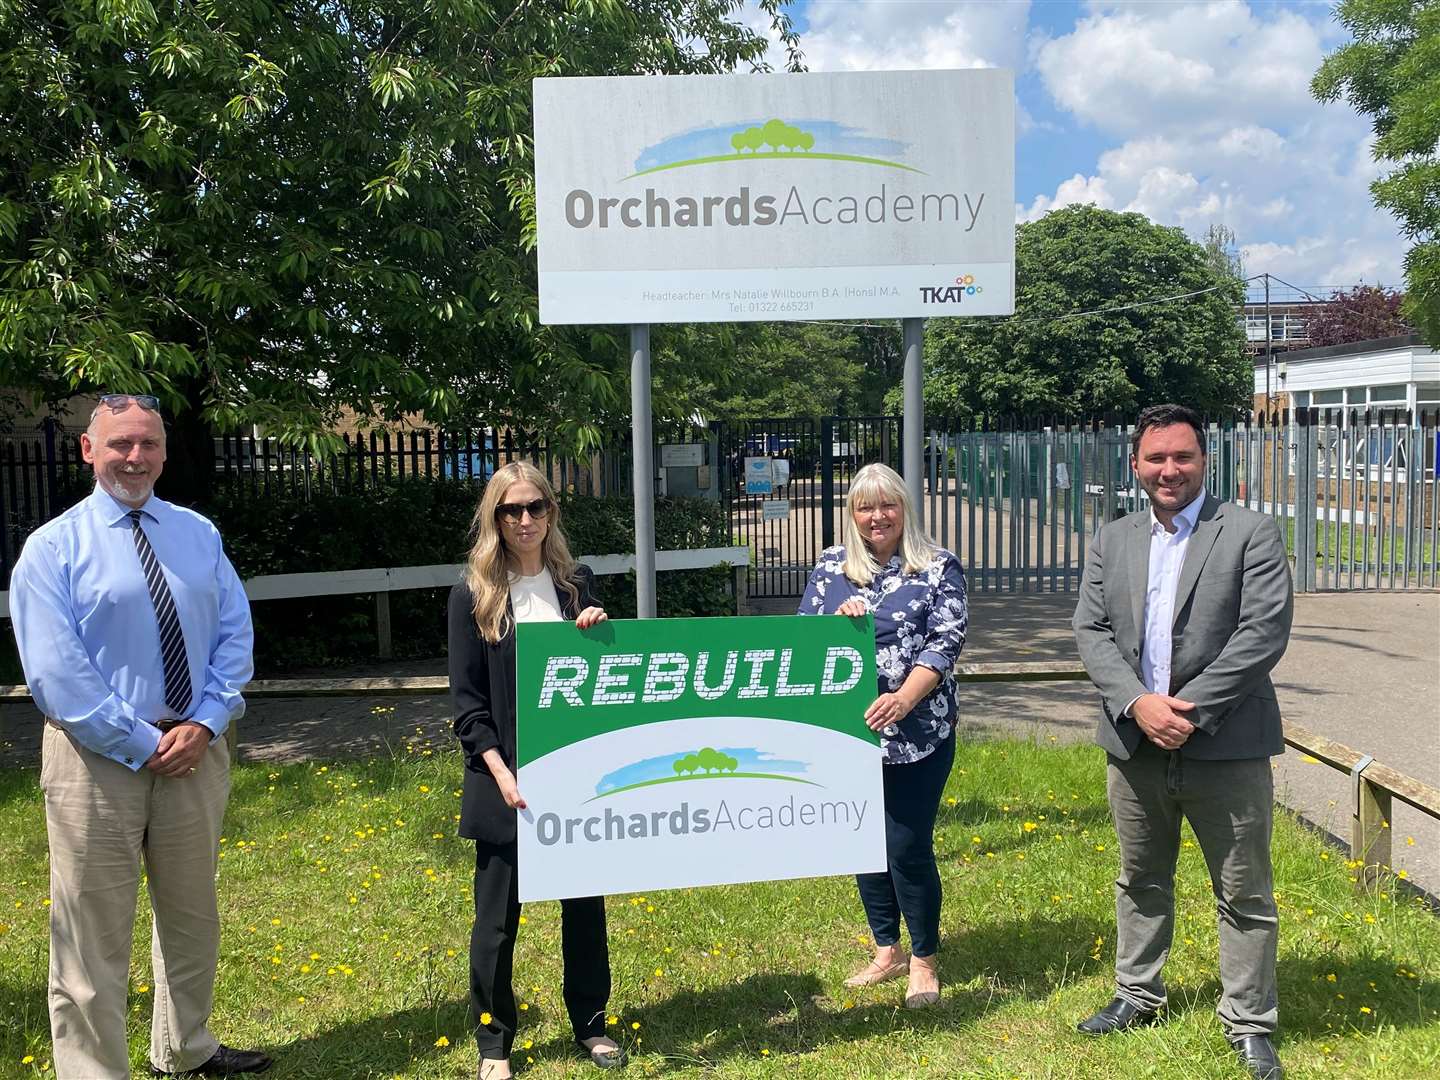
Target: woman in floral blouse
916, 589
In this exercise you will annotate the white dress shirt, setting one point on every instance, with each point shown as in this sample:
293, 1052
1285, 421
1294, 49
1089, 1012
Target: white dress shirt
1167, 556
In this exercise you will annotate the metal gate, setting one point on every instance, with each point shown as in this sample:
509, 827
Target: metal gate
787, 527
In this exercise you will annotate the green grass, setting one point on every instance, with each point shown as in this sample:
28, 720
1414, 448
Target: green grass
1370, 550
352, 871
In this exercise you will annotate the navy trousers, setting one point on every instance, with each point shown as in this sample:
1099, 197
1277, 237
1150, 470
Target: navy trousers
911, 884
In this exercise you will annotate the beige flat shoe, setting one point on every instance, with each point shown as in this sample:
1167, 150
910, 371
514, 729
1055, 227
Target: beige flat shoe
493, 1069
922, 999
873, 973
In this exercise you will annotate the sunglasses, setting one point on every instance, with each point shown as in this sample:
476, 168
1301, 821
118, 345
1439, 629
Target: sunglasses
512, 512
119, 402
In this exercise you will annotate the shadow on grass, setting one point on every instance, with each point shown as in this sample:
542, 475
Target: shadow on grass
1309, 1005
786, 1013
376, 1046
1028, 959
26, 1008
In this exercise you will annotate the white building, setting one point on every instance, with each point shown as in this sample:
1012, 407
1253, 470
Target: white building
1390, 373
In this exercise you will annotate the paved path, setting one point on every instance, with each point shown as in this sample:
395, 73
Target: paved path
1362, 668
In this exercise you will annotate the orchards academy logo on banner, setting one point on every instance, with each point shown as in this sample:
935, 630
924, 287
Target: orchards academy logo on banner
761, 197
661, 754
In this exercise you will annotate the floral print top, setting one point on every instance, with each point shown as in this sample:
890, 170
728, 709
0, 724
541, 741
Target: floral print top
919, 619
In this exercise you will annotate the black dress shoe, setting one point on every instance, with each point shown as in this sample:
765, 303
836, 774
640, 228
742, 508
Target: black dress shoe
1258, 1054
226, 1061
1119, 1015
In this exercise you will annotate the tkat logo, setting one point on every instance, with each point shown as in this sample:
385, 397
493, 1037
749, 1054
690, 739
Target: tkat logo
950, 294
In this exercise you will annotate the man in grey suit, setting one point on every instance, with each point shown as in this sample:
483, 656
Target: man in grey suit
1184, 610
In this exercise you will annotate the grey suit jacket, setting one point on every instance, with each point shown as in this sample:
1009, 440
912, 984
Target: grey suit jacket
1233, 606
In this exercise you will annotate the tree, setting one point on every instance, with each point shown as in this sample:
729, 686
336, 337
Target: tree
1222, 252
268, 212
1364, 313
1391, 73
1112, 312
780, 369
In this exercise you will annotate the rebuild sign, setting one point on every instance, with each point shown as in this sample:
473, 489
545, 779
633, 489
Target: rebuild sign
703, 198
663, 754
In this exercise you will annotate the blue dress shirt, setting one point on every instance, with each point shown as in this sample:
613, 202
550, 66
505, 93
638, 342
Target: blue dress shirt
88, 636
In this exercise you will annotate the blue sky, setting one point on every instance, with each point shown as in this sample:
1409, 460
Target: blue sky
1192, 113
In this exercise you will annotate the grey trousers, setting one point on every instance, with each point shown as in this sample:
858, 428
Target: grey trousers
1229, 805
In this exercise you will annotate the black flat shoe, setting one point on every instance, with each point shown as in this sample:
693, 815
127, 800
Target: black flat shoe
1119, 1015
226, 1061
603, 1058
1258, 1054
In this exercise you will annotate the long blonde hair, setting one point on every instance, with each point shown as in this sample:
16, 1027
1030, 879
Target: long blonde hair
878, 483
488, 572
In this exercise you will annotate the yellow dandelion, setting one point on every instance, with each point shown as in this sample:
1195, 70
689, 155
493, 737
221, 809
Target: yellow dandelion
1030, 826
635, 1025
442, 1041
485, 1019
27, 1059
612, 1020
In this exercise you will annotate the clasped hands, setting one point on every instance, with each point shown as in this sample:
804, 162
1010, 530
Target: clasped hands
181, 749
1159, 718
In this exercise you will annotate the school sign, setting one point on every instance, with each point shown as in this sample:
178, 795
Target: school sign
662, 754
708, 198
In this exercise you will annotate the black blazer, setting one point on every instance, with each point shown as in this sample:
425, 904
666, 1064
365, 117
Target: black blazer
482, 695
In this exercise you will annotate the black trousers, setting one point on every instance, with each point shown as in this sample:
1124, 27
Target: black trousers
911, 883
583, 946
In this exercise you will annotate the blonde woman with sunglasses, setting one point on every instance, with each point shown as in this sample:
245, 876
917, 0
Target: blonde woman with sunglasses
519, 570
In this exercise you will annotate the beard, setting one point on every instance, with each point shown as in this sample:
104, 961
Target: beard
131, 487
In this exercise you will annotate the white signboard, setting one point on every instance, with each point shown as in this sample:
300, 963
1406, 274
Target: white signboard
659, 754
716, 198
681, 455
758, 478
774, 509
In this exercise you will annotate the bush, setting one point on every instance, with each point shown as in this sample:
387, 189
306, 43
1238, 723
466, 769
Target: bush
417, 523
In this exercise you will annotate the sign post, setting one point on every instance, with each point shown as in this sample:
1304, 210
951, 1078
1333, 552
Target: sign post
695, 752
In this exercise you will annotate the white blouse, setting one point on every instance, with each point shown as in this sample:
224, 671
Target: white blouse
533, 599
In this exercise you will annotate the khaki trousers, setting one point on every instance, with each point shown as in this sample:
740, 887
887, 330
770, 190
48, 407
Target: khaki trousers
102, 821
1230, 805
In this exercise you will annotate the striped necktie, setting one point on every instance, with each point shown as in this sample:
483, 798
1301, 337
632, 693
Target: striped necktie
172, 639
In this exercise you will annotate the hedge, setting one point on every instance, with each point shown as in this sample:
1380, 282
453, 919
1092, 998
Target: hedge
418, 522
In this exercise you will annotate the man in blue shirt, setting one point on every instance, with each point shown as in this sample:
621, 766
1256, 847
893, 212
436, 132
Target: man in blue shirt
135, 636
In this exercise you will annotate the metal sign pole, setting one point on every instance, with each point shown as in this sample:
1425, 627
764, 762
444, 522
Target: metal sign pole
642, 447
912, 456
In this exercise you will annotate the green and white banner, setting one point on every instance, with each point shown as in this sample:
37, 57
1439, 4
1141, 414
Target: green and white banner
658, 754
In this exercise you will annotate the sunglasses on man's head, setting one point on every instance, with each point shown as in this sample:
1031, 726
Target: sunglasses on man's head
119, 402
512, 512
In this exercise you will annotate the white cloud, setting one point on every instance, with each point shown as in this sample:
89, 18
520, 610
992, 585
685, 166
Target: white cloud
903, 35
1130, 69
1077, 190
1212, 104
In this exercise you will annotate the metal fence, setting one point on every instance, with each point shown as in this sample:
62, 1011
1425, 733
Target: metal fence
1353, 494
42, 473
